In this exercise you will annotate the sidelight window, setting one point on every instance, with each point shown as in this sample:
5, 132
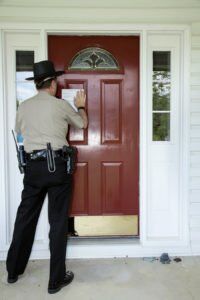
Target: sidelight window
24, 69
161, 91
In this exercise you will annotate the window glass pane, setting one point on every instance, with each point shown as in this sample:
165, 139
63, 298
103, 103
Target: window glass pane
24, 90
19, 138
161, 80
24, 68
161, 126
21, 75
93, 58
24, 60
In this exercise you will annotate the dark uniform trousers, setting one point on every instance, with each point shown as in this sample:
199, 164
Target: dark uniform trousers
38, 181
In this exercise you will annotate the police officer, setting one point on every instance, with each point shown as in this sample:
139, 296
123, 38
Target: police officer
44, 119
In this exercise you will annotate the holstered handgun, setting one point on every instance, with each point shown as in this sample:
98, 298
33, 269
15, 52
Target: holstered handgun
21, 155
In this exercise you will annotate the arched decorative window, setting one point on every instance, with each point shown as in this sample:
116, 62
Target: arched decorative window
93, 58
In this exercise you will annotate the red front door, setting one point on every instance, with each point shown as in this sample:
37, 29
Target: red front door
107, 176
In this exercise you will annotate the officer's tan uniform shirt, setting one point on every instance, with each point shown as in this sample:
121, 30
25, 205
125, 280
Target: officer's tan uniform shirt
44, 119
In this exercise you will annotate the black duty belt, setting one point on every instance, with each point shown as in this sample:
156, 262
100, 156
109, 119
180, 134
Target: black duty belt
42, 154
68, 154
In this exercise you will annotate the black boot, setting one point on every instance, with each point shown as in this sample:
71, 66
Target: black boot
56, 286
12, 278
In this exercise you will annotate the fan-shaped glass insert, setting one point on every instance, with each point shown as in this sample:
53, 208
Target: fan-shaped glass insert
93, 58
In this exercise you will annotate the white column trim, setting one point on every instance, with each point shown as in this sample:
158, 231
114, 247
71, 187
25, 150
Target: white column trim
185, 135
143, 137
3, 169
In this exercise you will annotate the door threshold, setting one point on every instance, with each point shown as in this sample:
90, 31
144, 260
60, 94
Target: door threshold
108, 239
103, 237
104, 226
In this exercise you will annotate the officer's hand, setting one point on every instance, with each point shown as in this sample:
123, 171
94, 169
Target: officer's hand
79, 100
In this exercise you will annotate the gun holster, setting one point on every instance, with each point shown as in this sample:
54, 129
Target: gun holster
50, 159
21, 155
22, 159
70, 156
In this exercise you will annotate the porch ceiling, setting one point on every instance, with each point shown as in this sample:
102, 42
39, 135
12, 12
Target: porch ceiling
104, 3
100, 11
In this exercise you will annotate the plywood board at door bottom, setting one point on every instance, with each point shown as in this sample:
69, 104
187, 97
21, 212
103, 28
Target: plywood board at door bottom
106, 225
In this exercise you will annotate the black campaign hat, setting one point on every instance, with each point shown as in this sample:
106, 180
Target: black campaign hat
44, 69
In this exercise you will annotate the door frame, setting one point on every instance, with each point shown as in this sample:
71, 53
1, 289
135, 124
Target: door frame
142, 40
142, 246
143, 114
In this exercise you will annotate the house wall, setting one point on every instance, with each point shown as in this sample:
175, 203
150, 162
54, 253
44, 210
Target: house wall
131, 15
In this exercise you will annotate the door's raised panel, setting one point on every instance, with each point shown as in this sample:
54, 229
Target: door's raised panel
111, 111
111, 174
77, 136
79, 203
